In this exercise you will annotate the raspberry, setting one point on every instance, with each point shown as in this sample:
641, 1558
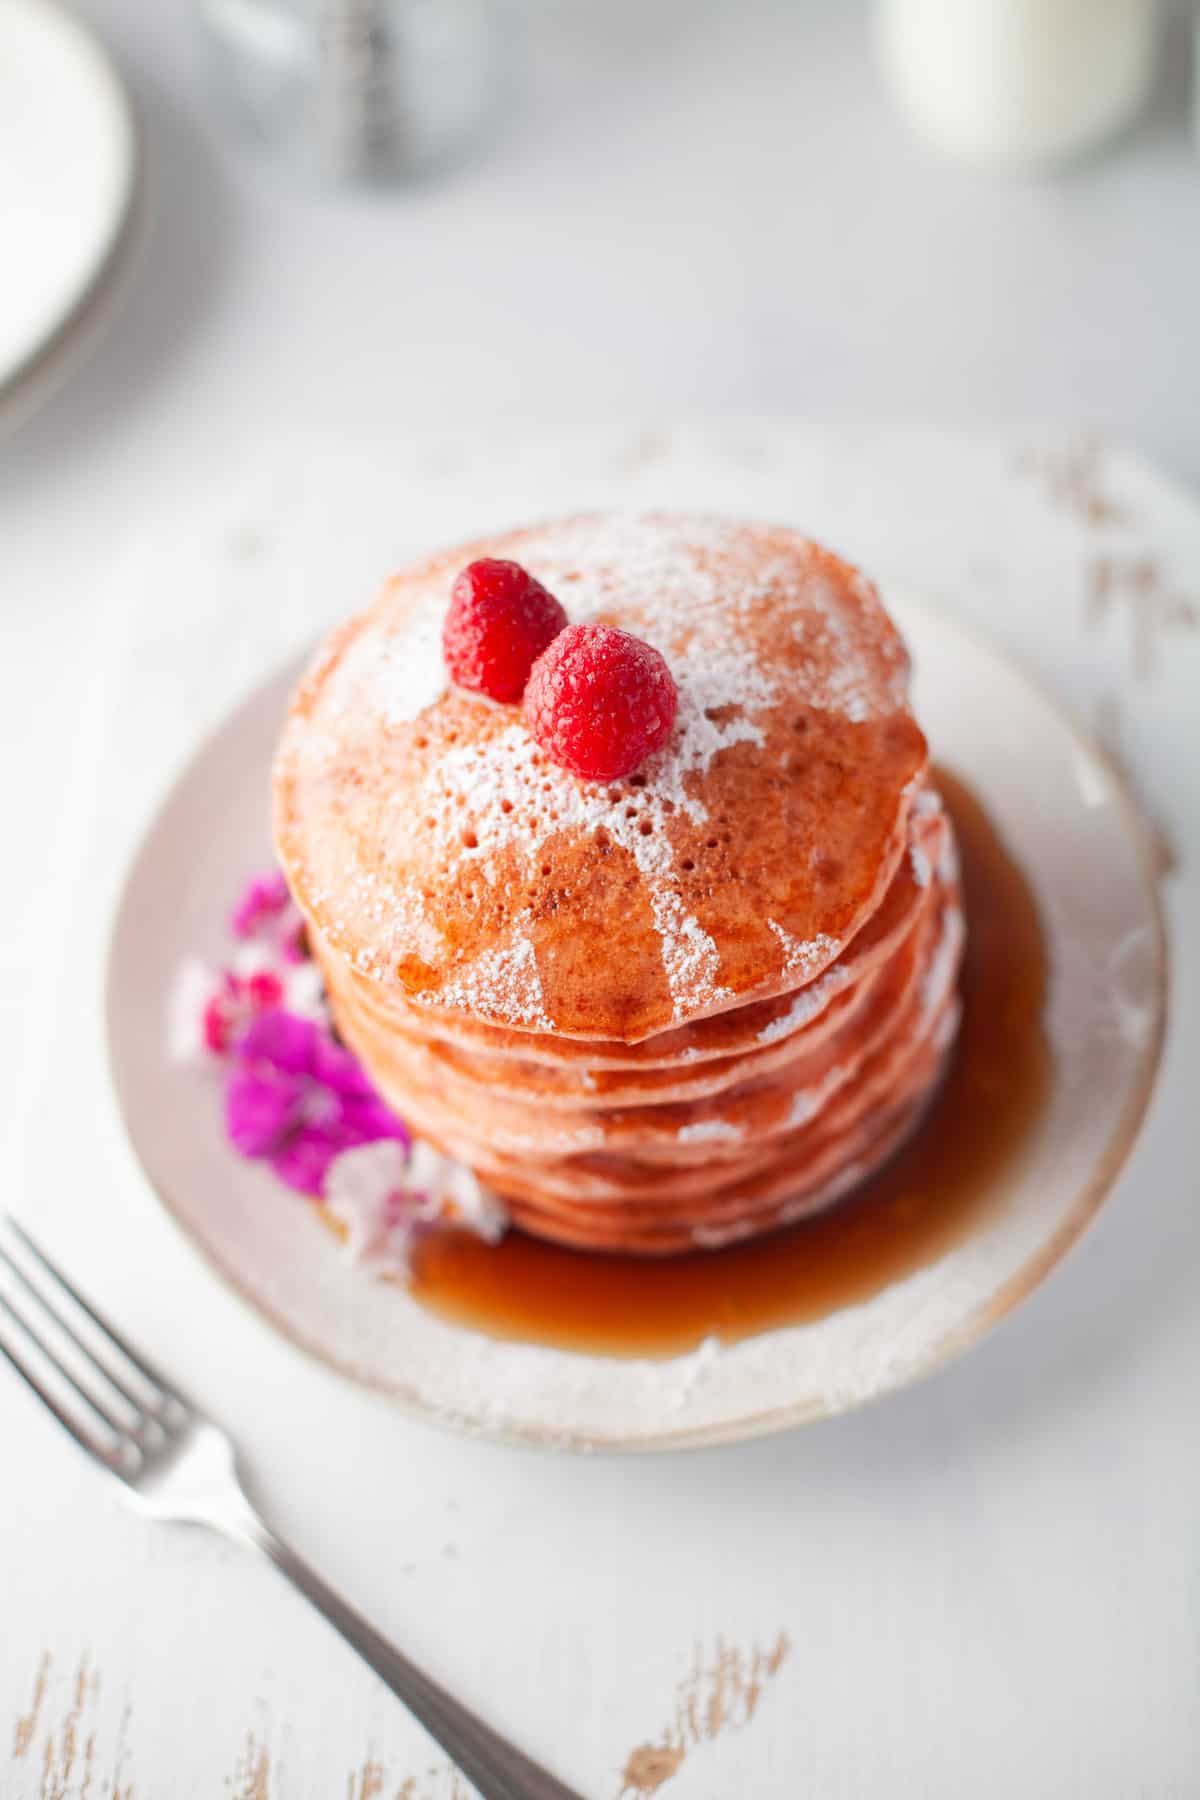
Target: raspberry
500, 620
599, 701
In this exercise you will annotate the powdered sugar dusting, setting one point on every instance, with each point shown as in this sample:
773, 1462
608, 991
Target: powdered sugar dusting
948, 865
690, 1372
406, 673
504, 981
918, 861
685, 584
927, 804
809, 1002
803, 959
807, 1102
689, 955
715, 1237
843, 649
804, 1107
938, 978
400, 909
947, 1025
517, 801
707, 1131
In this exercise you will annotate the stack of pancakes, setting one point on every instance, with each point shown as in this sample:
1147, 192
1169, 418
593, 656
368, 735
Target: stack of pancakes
669, 1011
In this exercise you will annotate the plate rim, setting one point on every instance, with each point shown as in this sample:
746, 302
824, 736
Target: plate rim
80, 322
955, 1341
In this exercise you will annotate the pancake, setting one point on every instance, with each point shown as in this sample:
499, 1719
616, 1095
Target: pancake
761, 1105
604, 1178
767, 1203
662, 1012
433, 846
828, 1006
718, 1035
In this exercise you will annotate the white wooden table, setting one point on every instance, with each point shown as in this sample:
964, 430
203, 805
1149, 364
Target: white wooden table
991, 1583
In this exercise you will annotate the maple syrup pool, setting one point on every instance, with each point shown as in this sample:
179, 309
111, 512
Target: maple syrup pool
927, 1198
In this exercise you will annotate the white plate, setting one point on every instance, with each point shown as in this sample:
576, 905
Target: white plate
1063, 815
68, 154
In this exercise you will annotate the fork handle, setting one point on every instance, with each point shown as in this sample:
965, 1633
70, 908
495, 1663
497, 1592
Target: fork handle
497, 1769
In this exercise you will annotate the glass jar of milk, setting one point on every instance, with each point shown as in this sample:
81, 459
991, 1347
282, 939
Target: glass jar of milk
1021, 81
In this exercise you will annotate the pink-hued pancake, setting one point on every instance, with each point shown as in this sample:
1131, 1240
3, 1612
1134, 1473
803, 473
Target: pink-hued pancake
667, 1011
767, 1196
720, 1035
618, 1184
762, 1106
766, 1203
434, 847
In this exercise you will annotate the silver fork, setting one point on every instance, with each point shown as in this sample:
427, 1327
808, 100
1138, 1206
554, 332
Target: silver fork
177, 1466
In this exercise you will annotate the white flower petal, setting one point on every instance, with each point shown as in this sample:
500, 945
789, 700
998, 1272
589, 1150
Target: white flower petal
304, 990
194, 986
359, 1186
456, 1186
384, 1198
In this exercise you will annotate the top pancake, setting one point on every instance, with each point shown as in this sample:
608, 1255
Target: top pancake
431, 844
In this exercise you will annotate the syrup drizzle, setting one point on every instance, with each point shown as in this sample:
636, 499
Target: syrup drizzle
929, 1196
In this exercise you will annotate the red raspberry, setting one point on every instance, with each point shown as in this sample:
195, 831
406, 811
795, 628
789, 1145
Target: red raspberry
599, 701
500, 620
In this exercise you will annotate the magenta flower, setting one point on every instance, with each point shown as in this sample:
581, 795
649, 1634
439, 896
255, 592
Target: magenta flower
297, 1099
267, 910
210, 1008
264, 901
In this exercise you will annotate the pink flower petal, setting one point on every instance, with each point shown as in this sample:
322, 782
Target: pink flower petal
264, 898
266, 990
295, 1096
260, 1110
338, 1069
303, 1162
371, 1120
281, 1040
216, 1026
293, 944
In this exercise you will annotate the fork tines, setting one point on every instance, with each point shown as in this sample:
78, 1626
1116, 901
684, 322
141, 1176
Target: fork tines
106, 1395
